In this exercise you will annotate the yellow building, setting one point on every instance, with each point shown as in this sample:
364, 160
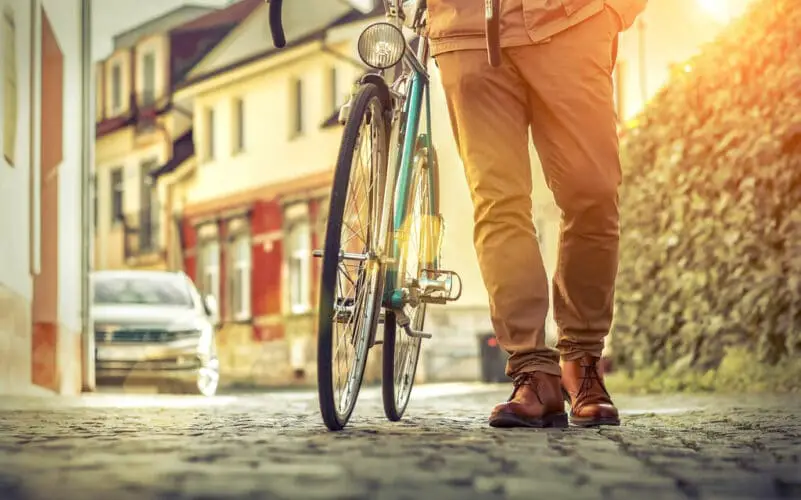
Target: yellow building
137, 126
252, 193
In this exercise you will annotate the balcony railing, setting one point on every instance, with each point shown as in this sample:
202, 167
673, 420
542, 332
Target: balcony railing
142, 233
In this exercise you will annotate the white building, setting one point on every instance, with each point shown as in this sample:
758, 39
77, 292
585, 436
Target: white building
43, 261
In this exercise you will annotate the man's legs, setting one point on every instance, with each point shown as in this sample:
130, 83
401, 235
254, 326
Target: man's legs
490, 116
574, 130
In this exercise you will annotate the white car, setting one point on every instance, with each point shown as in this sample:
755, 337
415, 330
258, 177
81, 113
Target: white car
153, 327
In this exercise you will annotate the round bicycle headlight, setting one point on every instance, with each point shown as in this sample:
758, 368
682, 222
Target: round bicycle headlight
381, 45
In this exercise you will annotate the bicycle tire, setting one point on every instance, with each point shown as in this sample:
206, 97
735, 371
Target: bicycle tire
367, 100
395, 404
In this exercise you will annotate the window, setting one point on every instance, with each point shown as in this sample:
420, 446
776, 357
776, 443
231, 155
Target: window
209, 134
210, 269
9, 55
239, 275
239, 126
116, 195
333, 89
297, 111
149, 79
148, 206
116, 89
298, 252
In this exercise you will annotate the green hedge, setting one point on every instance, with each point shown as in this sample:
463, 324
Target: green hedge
711, 207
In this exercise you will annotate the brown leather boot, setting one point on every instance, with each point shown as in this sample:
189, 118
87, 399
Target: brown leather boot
584, 389
535, 402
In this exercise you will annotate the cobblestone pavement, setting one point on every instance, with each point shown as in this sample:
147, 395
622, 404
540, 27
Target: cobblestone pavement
274, 446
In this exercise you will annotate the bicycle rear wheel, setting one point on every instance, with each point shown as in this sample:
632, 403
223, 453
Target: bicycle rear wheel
417, 243
352, 275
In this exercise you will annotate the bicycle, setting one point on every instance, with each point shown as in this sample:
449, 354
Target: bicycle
394, 264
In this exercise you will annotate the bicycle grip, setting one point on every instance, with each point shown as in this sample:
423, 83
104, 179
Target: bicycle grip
276, 25
492, 17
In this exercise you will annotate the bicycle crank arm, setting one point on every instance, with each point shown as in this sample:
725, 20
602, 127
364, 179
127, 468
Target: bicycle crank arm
405, 323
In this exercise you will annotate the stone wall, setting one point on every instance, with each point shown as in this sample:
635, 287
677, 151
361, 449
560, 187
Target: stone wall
451, 355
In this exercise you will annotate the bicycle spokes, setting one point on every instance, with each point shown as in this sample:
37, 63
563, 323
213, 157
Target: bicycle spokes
356, 262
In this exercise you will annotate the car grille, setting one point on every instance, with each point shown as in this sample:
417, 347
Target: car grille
141, 336
160, 364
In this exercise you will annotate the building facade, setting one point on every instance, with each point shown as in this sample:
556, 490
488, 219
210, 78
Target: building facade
251, 192
139, 128
43, 259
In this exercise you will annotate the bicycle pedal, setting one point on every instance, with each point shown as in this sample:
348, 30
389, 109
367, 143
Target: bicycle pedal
437, 286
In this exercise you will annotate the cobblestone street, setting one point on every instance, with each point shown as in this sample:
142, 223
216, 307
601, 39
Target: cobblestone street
274, 446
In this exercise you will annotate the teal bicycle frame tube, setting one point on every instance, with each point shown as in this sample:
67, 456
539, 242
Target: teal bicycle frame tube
409, 131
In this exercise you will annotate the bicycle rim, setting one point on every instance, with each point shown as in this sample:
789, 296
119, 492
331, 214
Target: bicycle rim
350, 291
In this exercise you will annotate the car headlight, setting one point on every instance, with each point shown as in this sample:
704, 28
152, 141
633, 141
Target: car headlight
381, 45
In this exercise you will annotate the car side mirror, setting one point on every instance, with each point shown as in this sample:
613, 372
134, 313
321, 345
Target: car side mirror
211, 307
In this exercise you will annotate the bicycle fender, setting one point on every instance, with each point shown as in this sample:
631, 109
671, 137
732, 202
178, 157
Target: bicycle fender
383, 88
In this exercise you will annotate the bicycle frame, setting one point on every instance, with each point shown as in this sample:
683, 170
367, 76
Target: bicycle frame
416, 79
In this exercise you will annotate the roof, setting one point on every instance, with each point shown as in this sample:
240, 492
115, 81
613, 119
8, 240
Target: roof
316, 33
183, 148
159, 24
192, 41
231, 14
189, 44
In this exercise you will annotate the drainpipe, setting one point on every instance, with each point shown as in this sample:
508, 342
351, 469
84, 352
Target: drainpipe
87, 174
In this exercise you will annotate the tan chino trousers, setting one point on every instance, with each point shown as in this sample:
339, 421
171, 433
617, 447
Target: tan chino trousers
562, 91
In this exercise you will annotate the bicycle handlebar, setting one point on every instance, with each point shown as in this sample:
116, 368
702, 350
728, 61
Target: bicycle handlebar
276, 25
492, 19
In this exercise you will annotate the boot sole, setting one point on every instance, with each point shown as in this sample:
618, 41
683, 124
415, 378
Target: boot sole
589, 422
509, 420
594, 422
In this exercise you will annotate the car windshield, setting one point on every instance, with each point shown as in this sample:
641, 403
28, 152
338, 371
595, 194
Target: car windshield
142, 290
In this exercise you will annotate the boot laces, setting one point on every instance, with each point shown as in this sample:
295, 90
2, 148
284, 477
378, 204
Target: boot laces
526, 379
589, 378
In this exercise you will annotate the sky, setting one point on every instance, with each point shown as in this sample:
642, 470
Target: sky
110, 17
